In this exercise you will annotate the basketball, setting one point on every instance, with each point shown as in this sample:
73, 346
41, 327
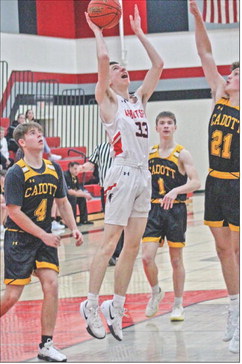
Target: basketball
104, 13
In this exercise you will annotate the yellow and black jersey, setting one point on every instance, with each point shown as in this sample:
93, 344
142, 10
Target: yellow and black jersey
165, 173
34, 190
224, 140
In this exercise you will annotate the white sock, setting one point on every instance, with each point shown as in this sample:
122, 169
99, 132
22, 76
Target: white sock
178, 301
92, 300
234, 302
118, 301
155, 289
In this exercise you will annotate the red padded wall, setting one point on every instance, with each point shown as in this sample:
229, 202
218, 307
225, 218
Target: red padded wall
128, 8
82, 28
56, 18
66, 18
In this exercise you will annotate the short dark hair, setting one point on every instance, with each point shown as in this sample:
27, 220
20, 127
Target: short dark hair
165, 114
72, 164
22, 129
234, 65
113, 62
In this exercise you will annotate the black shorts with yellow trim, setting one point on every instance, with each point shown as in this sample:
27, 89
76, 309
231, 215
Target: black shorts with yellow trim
222, 203
23, 253
170, 224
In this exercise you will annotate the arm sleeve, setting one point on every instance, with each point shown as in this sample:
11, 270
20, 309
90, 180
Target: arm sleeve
62, 188
14, 186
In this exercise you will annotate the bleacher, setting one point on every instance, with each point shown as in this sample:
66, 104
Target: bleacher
65, 114
69, 154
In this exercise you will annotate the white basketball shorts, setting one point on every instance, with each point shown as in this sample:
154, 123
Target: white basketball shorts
128, 193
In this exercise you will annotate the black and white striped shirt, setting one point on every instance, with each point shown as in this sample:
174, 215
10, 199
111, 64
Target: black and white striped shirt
102, 158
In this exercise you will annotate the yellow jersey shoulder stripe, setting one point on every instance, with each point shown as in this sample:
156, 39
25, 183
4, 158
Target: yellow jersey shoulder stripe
225, 101
30, 173
154, 153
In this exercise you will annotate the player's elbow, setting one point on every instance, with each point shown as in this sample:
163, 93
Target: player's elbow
161, 64
158, 64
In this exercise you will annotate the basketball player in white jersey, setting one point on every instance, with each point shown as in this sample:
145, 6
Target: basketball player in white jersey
128, 182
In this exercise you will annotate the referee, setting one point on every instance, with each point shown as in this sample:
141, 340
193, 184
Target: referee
102, 159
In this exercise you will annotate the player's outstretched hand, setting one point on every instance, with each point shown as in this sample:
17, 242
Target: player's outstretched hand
78, 236
93, 26
51, 240
194, 10
135, 21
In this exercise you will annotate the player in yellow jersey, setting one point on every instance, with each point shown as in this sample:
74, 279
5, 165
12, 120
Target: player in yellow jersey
222, 185
31, 185
173, 176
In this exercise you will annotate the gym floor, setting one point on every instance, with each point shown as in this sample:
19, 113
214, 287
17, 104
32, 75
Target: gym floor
197, 339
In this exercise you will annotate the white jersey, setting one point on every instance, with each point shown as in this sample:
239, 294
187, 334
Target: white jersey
129, 133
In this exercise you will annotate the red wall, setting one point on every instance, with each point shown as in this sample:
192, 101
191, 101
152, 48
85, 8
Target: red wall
56, 18
66, 18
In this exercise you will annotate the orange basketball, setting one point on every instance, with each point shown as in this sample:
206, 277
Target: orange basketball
104, 13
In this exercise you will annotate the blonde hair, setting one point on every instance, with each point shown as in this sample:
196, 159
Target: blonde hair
22, 129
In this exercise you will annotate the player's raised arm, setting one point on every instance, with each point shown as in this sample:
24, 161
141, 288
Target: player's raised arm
204, 48
104, 95
103, 61
153, 75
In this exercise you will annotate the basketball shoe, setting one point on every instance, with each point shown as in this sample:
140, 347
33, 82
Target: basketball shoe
234, 342
94, 323
153, 304
232, 321
177, 313
113, 316
49, 353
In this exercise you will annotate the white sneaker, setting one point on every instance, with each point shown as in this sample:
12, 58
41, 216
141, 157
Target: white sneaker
177, 313
94, 323
113, 316
234, 343
55, 157
56, 226
50, 353
153, 304
232, 322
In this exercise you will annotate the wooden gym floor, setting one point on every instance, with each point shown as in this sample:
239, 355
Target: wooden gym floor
198, 339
